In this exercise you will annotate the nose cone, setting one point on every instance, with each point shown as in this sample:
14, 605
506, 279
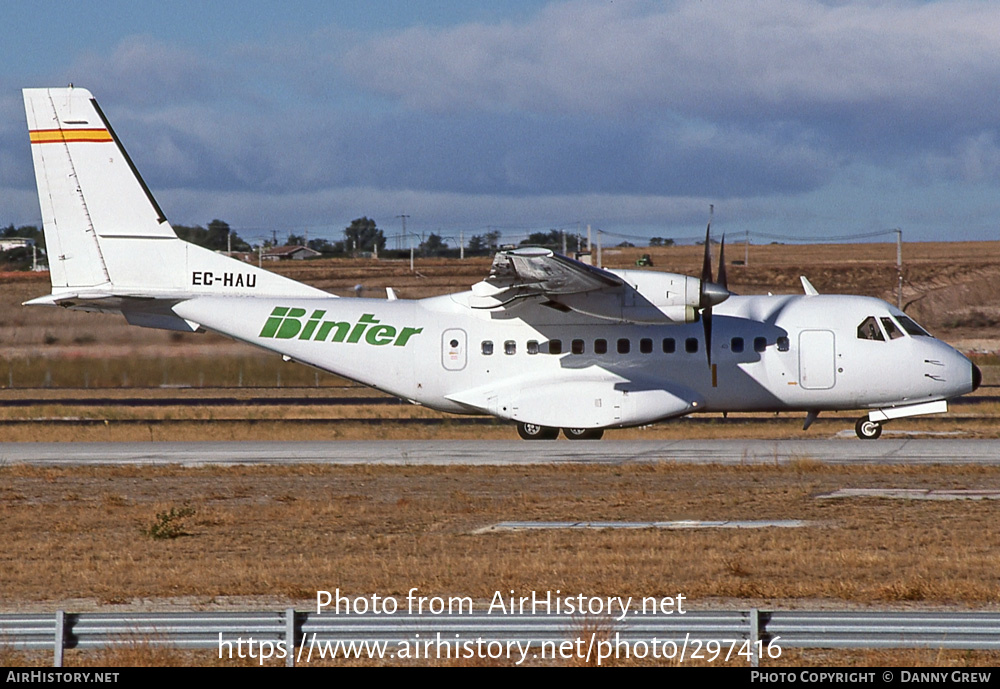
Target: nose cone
977, 377
712, 293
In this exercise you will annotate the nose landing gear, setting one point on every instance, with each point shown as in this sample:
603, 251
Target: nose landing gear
868, 429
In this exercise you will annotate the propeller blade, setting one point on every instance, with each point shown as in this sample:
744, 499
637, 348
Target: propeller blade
705, 296
706, 264
722, 263
706, 321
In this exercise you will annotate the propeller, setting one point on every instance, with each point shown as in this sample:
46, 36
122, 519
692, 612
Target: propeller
711, 293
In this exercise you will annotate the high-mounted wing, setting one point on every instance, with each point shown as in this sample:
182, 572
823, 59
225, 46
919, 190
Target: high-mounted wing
627, 296
538, 272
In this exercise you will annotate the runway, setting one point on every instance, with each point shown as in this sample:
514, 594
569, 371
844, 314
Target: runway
515, 452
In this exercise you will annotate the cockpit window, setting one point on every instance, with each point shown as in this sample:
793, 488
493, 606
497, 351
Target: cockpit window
911, 327
890, 328
869, 330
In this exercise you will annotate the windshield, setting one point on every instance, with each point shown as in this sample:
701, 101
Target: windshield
912, 328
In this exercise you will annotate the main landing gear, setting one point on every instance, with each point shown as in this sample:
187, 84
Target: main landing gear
583, 433
868, 429
532, 431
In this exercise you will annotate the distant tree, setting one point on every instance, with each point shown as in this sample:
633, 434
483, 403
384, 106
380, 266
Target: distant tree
478, 245
492, 240
363, 235
325, 247
551, 239
433, 245
661, 241
626, 245
295, 240
215, 237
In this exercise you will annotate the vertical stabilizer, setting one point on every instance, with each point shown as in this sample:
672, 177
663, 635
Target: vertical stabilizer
105, 234
63, 125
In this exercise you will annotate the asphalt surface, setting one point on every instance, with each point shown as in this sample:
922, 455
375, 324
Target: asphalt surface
514, 452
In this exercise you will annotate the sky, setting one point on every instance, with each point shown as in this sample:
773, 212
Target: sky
798, 121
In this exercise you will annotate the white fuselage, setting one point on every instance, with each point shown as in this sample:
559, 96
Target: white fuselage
770, 353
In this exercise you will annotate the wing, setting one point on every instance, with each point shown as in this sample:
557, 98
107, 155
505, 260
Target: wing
627, 296
537, 272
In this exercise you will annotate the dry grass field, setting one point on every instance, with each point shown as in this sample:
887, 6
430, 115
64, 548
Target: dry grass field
79, 538
271, 536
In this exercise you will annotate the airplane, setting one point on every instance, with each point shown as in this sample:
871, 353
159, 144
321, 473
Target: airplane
544, 341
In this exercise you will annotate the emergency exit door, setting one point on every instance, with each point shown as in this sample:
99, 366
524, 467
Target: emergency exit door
454, 349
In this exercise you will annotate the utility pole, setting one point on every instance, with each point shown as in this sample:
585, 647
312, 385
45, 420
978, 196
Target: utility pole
403, 217
461, 245
600, 263
746, 250
899, 269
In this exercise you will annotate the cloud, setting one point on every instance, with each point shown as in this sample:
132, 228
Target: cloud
972, 159
881, 67
580, 110
144, 71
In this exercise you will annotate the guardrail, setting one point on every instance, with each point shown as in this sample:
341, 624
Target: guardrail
758, 632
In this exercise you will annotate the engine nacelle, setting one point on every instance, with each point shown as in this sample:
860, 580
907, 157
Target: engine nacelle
646, 297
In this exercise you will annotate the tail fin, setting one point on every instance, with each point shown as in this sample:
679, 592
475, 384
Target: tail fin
106, 237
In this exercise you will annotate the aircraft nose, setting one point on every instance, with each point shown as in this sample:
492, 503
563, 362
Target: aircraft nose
977, 377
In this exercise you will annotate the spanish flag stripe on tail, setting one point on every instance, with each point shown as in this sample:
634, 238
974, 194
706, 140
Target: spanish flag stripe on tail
51, 136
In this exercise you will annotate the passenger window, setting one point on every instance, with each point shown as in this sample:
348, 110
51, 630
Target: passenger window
759, 344
510, 347
555, 346
691, 345
600, 346
782, 344
869, 330
890, 328
669, 346
577, 346
646, 345
532, 346
487, 347
624, 346
736, 345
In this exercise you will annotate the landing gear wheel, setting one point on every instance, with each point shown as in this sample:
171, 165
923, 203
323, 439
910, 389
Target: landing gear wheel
868, 429
583, 433
532, 431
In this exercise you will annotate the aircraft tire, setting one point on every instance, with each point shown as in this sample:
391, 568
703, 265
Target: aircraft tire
867, 429
583, 433
532, 431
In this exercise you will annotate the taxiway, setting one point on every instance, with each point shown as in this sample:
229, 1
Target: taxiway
459, 452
